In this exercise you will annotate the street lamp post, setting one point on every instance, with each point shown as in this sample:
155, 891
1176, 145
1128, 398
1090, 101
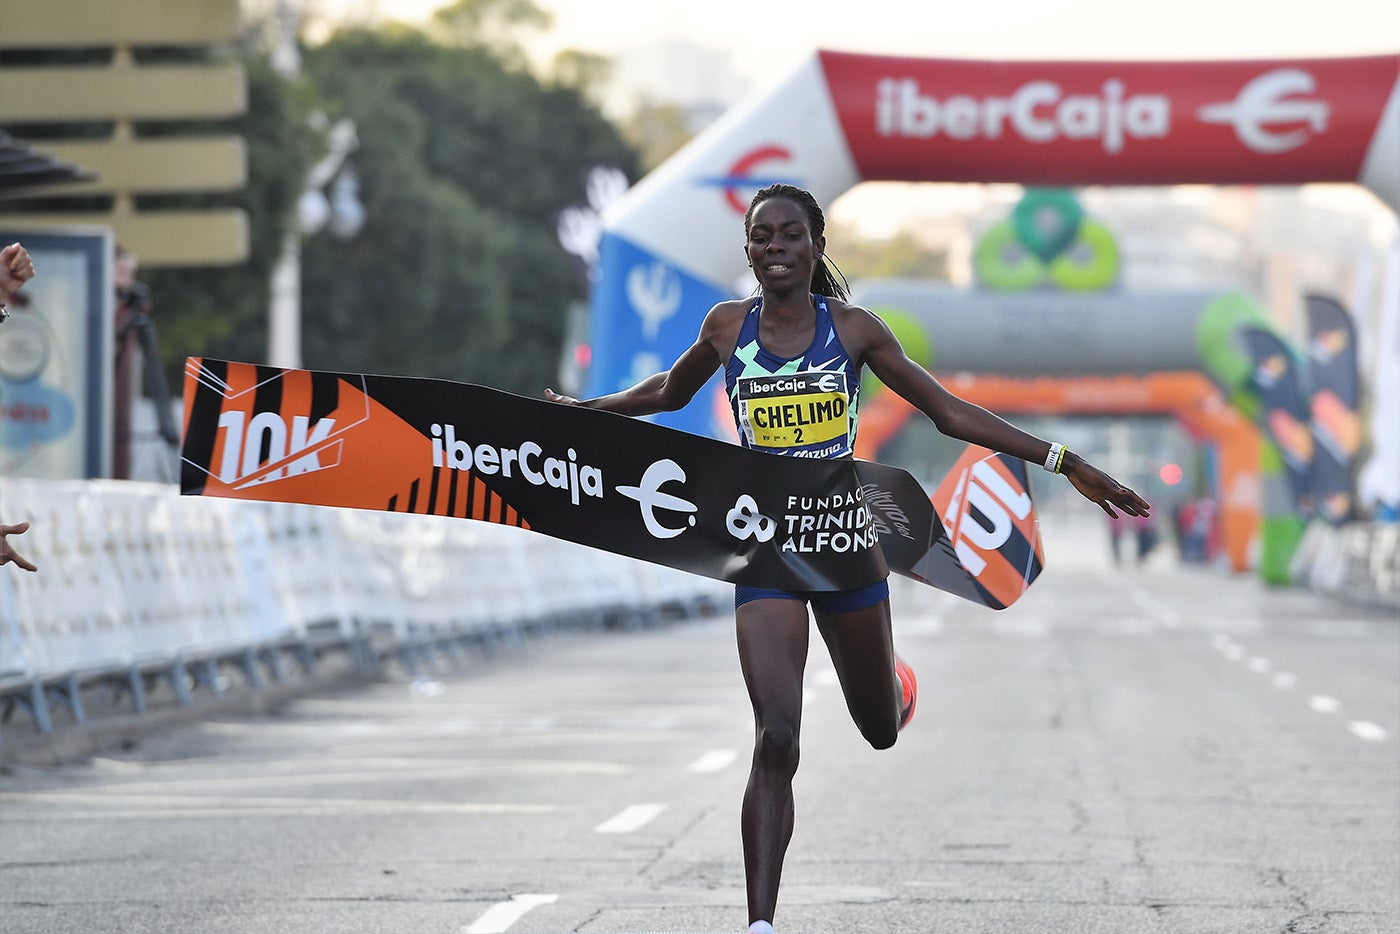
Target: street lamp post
341, 213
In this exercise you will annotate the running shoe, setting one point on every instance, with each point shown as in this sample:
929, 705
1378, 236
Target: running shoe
761, 927
910, 689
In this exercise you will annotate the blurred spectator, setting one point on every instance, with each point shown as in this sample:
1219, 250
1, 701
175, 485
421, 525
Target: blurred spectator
136, 332
131, 301
1117, 525
1196, 522
1132, 538
1206, 515
1144, 535
16, 268
1184, 518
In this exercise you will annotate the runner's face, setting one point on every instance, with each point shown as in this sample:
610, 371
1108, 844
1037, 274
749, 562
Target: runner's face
780, 246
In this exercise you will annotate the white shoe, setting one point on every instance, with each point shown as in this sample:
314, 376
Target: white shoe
760, 927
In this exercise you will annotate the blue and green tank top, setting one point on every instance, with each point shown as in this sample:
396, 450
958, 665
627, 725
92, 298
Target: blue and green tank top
804, 406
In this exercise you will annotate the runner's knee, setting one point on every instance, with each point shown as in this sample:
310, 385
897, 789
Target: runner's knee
881, 735
776, 747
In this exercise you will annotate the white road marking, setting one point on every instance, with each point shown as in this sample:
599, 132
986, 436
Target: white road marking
160, 805
630, 818
150, 813
1367, 730
426, 687
1324, 704
1127, 626
499, 917
1164, 614
367, 770
713, 761
1025, 627
1286, 680
921, 626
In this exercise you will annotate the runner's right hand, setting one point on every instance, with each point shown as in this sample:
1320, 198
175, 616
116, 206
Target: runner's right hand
553, 396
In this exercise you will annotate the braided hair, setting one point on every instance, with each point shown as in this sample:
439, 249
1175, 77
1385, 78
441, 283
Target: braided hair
823, 281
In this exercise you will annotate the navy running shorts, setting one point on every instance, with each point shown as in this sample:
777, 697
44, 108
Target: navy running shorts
823, 601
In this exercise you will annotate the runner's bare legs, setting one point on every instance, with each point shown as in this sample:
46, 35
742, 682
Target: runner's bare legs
773, 645
773, 637
861, 644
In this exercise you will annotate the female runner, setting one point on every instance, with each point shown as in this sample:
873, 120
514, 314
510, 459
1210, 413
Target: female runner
798, 323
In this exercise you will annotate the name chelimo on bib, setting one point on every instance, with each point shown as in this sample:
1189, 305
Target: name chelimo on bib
801, 414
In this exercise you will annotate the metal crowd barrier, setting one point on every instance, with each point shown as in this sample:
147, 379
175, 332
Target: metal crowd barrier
143, 590
1358, 562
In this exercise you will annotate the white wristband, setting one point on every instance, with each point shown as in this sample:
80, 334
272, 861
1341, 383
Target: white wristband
1052, 460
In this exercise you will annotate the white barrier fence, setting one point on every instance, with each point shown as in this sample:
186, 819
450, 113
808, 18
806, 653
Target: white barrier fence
137, 583
1359, 562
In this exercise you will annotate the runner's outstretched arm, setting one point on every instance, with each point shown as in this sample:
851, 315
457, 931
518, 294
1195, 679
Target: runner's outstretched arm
965, 421
672, 389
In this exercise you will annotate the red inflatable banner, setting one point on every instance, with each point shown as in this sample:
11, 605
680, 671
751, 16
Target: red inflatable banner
1065, 123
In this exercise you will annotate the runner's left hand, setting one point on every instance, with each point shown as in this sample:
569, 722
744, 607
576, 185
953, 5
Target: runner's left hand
1098, 487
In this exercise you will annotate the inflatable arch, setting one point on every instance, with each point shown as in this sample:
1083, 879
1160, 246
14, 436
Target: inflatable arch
1110, 352
672, 246
1192, 399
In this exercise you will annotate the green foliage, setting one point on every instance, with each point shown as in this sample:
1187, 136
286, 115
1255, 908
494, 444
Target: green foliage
492, 25
897, 257
587, 72
658, 131
464, 165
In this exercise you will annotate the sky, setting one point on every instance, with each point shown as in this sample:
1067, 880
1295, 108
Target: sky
766, 41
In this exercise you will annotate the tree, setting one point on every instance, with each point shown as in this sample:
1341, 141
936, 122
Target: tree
586, 72
658, 131
492, 25
464, 165
905, 255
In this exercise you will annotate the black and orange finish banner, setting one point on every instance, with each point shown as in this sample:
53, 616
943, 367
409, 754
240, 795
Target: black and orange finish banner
623, 485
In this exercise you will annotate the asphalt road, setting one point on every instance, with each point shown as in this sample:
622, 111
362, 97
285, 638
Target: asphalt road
1159, 750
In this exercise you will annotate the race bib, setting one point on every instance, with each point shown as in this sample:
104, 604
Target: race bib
805, 414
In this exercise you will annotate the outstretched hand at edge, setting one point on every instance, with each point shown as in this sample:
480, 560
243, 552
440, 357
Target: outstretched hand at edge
8, 554
16, 268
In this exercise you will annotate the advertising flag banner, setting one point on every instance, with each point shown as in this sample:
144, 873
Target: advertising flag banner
1276, 380
1336, 425
990, 523
623, 485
